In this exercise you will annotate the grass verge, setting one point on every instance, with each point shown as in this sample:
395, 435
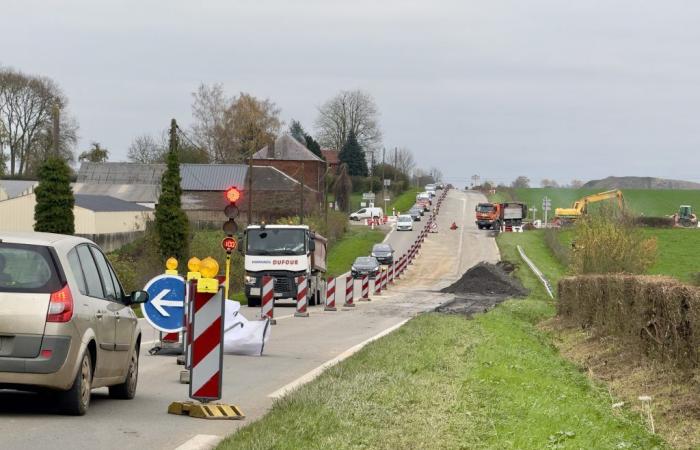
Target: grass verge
449, 382
356, 242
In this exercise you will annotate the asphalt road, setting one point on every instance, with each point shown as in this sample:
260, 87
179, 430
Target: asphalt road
297, 347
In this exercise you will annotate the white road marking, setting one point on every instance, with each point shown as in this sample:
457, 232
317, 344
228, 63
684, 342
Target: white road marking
201, 442
310, 376
461, 238
386, 238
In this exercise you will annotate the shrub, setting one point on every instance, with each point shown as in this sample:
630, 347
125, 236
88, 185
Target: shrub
654, 222
559, 250
655, 316
53, 212
609, 243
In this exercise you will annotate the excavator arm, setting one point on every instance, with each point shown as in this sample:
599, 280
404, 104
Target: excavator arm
580, 206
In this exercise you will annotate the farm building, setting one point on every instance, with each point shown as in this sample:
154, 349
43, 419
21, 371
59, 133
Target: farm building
106, 220
294, 159
275, 194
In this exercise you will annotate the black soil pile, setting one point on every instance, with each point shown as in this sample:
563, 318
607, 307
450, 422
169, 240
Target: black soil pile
488, 279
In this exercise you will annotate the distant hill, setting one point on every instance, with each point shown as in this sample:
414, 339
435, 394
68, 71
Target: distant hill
640, 183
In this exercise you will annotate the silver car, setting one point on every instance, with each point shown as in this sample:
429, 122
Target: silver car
66, 325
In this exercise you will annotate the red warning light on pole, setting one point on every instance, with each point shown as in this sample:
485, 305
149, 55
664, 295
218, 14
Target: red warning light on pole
229, 244
233, 194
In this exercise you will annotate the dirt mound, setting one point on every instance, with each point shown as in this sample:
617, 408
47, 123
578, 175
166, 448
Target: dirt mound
488, 279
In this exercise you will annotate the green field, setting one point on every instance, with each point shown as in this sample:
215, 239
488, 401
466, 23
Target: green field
678, 251
448, 382
648, 202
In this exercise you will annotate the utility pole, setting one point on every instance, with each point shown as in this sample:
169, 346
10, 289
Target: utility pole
250, 189
56, 129
396, 163
383, 175
301, 210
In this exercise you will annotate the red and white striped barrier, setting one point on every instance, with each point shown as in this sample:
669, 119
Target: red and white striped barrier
385, 278
330, 295
378, 283
207, 345
392, 272
302, 293
365, 288
267, 299
349, 288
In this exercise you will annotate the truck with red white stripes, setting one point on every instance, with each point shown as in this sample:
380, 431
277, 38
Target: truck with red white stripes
284, 252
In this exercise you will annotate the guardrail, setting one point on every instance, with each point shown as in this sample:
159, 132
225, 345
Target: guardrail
537, 272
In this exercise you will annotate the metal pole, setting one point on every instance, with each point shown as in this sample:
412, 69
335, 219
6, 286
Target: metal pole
301, 212
228, 271
250, 189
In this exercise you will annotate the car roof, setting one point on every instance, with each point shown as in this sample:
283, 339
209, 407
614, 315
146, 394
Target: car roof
37, 238
405, 216
381, 245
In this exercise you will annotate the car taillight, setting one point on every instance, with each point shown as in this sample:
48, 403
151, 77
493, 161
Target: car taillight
60, 306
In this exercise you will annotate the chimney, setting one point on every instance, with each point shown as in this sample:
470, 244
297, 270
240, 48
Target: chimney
271, 149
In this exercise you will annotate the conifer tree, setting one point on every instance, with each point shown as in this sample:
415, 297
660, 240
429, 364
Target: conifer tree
353, 155
53, 212
172, 225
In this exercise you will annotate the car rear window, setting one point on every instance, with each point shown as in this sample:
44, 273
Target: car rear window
27, 268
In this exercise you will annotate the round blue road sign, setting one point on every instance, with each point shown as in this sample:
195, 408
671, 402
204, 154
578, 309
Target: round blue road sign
166, 301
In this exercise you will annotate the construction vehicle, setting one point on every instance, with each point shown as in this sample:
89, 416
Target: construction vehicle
284, 252
511, 215
580, 206
685, 217
496, 215
487, 214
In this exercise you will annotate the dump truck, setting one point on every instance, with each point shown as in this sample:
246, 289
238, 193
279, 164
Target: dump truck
487, 214
284, 252
511, 215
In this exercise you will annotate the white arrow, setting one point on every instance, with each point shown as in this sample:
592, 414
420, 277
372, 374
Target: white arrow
158, 303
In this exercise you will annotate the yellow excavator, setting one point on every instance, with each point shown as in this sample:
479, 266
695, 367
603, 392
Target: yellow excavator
580, 206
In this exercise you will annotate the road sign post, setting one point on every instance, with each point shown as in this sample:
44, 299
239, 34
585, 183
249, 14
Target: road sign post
546, 207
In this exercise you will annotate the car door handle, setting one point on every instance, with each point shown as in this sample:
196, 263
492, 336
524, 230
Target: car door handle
98, 314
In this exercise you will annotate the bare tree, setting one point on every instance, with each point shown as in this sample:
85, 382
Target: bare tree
145, 149
405, 162
210, 129
435, 174
349, 110
576, 184
521, 182
26, 105
230, 129
547, 183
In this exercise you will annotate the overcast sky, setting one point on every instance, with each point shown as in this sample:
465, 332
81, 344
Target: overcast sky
543, 88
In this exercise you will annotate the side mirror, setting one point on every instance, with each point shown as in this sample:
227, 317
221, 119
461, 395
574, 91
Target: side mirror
138, 297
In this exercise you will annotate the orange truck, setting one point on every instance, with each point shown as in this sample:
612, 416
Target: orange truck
487, 214
494, 215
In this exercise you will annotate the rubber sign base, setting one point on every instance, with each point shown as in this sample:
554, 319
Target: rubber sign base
212, 411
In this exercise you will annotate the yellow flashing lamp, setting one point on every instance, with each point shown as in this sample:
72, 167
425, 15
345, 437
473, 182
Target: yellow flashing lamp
209, 268
193, 265
171, 266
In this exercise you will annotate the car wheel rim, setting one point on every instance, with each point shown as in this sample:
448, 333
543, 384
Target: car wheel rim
85, 375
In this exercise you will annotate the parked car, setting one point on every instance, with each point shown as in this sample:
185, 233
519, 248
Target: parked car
367, 213
405, 222
384, 253
66, 324
365, 265
416, 212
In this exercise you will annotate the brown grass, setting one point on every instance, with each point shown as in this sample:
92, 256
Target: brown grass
628, 375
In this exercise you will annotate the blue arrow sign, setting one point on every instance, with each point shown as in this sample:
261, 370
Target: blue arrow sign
166, 301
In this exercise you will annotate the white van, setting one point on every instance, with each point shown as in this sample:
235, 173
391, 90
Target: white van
367, 213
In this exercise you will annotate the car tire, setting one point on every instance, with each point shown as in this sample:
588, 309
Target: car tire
76, 400
127, 389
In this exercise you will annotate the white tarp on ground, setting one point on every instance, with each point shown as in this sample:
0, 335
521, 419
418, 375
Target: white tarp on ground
243, 336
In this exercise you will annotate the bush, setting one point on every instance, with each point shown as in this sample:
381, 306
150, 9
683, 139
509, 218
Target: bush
654, 222
559, 250
609, 243
655, 316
